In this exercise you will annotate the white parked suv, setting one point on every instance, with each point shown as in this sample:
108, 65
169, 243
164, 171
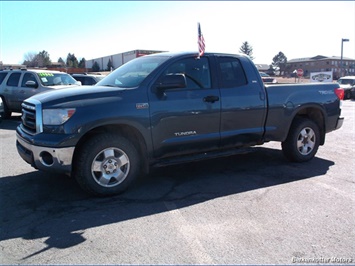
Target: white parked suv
20, 84
348, 84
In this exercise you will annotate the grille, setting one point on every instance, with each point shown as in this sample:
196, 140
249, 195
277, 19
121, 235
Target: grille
31, 117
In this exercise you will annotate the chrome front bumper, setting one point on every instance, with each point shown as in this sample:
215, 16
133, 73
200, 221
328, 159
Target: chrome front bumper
47, 159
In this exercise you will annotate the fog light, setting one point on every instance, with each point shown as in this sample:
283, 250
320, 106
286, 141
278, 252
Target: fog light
46, 158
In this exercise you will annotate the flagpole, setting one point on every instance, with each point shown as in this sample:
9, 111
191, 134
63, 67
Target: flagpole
198, 40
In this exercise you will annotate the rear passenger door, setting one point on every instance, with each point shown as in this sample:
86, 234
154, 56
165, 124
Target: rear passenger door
11, 89
22, 92
243, 102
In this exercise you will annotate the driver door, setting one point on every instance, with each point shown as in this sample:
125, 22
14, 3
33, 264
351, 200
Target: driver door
186, 120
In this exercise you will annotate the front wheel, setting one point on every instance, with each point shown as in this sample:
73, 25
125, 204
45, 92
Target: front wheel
302, 141
106, 165
6, 114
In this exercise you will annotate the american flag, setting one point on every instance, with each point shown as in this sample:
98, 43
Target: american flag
201, 42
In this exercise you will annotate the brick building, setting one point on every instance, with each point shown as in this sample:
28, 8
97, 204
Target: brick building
321, 63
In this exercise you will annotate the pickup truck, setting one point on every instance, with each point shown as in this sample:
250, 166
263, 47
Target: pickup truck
170, 108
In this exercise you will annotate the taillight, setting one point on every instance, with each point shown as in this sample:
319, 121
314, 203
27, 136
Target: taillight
340, 93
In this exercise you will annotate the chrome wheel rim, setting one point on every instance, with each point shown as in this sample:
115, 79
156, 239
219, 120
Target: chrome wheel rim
110, 167
306, 141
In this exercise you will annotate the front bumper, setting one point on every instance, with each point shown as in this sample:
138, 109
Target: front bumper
57, 160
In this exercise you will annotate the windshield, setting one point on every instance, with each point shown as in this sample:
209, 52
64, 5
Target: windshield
132, 73
56, 79
346, 81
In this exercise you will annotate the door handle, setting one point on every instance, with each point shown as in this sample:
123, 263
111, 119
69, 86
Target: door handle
211, 99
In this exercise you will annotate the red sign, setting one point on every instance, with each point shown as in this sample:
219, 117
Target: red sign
300, 72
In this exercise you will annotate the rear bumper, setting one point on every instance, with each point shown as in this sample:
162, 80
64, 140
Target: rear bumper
57, 160
339, 123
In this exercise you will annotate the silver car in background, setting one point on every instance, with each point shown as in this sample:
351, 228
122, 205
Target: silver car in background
20, 84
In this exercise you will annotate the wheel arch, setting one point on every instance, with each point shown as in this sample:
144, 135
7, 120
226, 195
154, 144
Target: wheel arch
316, 114
126, 131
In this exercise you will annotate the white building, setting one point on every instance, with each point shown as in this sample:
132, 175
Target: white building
118, 59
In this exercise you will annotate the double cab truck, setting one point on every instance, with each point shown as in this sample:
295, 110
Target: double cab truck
170, 108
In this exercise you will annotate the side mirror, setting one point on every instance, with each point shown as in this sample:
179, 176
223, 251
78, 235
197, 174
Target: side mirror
31, 84
172, 81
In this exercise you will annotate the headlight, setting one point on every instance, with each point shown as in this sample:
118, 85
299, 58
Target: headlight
57, 116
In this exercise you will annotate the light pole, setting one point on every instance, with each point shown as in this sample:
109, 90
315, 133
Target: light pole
341, 56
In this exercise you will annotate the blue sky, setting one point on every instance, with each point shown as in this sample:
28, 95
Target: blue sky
92, 29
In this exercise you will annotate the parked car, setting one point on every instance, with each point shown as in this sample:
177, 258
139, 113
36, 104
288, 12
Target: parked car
20, 84
267, 79
348, 84
88, 79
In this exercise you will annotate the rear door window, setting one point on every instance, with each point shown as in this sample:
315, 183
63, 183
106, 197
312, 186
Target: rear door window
231, 73
13, 80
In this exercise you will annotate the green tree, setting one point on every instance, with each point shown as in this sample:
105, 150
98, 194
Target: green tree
109, 65
72, 61
247, 49
95, 67
61, 61
280, 61
82, 63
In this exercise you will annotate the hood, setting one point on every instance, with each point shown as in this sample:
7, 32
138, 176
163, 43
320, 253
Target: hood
57, 87
77, 94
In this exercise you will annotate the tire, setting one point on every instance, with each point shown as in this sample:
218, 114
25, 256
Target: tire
347, 95
7, 113
106, 165
302, 141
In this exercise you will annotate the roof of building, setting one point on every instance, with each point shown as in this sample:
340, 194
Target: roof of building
318, 57
262, 66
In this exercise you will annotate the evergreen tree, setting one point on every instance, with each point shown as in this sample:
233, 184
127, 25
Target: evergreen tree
95, 67
61, 61
82, 63
109, 65
72, 61
247, 49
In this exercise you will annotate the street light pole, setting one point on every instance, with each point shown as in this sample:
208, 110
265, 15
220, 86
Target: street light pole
341, 56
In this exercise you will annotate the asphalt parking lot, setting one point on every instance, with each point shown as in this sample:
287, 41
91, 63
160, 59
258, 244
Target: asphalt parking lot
255, 208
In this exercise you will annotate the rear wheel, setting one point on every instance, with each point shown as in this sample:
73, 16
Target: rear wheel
302, 141
106, 165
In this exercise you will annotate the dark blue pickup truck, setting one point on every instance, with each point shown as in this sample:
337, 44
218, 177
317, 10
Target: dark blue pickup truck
170, 108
